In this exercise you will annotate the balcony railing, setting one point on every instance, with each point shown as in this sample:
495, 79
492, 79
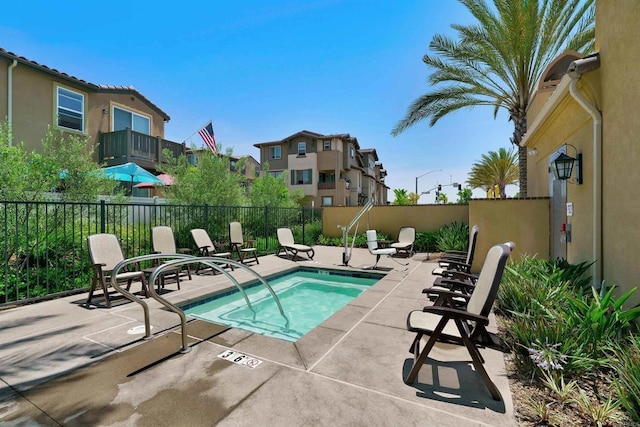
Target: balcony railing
129, 146
326, 186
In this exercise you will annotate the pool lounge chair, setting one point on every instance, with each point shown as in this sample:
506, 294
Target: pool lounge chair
237, 243
105, 252
163, 242
206, 247
449, 323
458, 260
406, 238
291, 249
372, 245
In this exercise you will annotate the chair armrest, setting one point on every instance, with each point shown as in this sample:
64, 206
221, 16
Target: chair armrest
460, 275
456, 313
444, 297
184, 250
457, 265
452, 252
458, 285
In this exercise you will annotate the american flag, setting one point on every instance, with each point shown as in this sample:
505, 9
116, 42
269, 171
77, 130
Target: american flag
206, 133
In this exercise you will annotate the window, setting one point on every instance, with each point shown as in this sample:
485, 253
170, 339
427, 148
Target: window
232, 165
257, 171
301, 177
302, 148
326, 145
352, 152
192, 159
327, 201
274, 152
327, 177
275, 174
70, 109
123, 119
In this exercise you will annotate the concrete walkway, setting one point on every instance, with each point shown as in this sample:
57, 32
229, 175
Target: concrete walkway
64, 364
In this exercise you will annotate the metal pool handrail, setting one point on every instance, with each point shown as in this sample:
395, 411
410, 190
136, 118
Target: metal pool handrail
183, 259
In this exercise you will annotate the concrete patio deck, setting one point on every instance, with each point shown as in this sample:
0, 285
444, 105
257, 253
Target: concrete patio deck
64, 364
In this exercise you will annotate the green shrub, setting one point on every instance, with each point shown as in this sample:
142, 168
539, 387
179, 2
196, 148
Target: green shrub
454, 236
627, 365
426, 241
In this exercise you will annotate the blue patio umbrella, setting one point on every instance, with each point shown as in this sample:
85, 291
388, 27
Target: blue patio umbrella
131, 172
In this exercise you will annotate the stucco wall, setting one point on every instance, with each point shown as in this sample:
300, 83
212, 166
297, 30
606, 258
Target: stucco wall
389, 219
617, 35
524, 222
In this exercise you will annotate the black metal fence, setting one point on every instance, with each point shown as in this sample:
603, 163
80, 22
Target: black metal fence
44, 244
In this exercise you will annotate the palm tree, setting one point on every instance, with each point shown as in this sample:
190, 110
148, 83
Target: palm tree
498, 61
495, 169
401, 197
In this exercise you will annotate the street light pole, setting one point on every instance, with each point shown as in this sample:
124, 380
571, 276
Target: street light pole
425, 174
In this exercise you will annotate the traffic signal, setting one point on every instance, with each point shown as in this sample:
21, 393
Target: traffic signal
439, 187
459, 187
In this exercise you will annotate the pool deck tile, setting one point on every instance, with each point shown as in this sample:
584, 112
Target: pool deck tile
348, 371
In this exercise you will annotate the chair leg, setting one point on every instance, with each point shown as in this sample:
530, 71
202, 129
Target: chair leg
106, 292
476, 359
420, 356
94, 282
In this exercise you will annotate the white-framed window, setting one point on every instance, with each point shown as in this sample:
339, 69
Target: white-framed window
302, 148
326, 145
70, 109
352, 152
327, 201
123, 119
275, 152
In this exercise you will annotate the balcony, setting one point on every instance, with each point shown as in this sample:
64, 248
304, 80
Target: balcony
326, 186
129, 146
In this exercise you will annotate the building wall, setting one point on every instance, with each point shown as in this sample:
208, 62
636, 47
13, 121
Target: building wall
389, 219
617, 36
35, 99
524, 222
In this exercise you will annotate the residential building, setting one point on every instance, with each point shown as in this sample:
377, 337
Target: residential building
127, 126
585, 109
244, 164
331, 170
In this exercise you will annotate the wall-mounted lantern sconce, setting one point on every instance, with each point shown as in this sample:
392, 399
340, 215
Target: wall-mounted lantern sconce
105, 111
532, 151
563, 166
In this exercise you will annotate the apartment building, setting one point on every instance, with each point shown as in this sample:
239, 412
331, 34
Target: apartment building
127, 126
331, 170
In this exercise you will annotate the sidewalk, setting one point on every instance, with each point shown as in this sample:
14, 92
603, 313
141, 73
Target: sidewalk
63, 364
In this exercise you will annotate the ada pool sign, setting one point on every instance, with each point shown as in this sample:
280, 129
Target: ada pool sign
240, 359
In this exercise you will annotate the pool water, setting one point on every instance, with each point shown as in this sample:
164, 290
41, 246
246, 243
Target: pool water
308, 297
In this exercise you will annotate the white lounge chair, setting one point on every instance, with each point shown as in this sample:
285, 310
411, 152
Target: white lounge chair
237, 243
406, 238
105, 252
291, 249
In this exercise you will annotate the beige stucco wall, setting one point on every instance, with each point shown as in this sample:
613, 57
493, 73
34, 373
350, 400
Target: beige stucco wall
389, 219
524, 222
618, 36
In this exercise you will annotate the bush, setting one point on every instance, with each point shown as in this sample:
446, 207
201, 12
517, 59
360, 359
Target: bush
454, 236
627, 365
426, 241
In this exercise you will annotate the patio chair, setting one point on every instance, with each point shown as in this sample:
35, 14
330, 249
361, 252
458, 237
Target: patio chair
406, 238
163, 242
372, 245
458, 260
206, 246
291, 249
446, 322
237, 243
105, 252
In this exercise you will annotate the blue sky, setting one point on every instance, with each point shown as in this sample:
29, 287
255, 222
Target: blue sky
263, 70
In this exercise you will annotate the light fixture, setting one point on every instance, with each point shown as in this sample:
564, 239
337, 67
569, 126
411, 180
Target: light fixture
105, 111
563, 166
532, 151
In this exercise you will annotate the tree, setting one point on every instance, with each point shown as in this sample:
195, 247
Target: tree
272, 191
66, 166
495, 169
401, 197
497, 61
210, 182
442, 198
464, 195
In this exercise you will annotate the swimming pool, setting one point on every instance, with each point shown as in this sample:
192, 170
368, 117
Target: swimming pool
308, 296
